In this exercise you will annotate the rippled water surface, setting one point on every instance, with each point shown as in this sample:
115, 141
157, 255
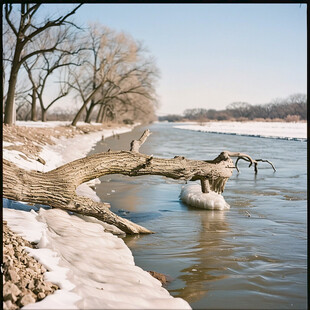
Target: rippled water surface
253, 256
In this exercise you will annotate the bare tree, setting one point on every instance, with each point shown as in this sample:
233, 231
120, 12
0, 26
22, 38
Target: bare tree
134, 91
25, 29
7, 56
29, 68
116, 67
44, 66
105, 52
22, 100
239, 109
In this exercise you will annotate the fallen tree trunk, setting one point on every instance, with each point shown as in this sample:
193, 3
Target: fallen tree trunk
57, 188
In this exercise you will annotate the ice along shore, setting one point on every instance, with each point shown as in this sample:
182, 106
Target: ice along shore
93, 268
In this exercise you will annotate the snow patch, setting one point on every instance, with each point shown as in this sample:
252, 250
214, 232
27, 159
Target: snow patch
30, 229
67, 150
93, 182
42, 124
107, 227
5, 144
86, 191
192, 195
277, 130
94, 268
60, 299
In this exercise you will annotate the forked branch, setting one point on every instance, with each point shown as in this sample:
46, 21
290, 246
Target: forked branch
249, 159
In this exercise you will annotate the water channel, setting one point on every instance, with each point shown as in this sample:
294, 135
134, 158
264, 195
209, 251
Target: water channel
253, 256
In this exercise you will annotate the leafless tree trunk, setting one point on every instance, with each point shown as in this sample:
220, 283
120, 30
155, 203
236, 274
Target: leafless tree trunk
33, 94
89, 112
83, 107
34, 105
43, 115
57, 188
100, 113
26, 31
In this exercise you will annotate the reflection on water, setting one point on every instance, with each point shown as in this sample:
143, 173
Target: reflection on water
252, 256
206, 268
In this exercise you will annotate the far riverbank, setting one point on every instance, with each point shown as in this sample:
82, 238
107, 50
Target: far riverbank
278, 130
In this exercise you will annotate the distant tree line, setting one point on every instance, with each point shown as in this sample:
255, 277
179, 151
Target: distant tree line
109, 74
292, 108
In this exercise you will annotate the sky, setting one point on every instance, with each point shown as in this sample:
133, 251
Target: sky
210, 55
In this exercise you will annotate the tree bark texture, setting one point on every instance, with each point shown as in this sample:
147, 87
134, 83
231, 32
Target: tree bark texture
56, 188
89, 112
10, 100
43, 114
34, 105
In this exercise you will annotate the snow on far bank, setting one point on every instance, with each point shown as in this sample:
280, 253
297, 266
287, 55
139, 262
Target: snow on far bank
93, 268
192, 195
280, 130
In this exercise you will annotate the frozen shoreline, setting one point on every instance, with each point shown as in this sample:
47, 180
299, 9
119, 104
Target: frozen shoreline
275, 130
93, 268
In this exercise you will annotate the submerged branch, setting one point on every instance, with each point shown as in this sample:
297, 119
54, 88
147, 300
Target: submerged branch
249, 159
269, 162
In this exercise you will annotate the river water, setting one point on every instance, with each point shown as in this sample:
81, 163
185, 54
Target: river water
252, 256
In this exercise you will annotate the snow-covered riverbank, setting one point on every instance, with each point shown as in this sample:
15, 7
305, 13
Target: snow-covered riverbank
93, 268
279, 130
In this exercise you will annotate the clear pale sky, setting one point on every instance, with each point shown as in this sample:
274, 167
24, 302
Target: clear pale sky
210, 55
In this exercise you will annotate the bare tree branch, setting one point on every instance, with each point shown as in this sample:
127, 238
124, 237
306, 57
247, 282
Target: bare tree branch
53, 23
136, 144
8, 10
23, 51
247, 158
